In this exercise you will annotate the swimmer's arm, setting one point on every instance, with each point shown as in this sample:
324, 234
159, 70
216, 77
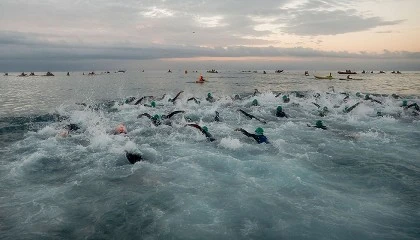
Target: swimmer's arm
144, 114
173, 113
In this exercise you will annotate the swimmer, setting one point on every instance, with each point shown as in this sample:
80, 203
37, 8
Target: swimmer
255, 103
347, 110
406, 106
70, 128
130, 100
210, 98
256, 92
251, 116
141, 99
203, 130
367, 97
318, 124
133, 157
120, 129
286, 99
258, 136
156, 119
175, 98
280, 113
152, 104
195, 100
216, 118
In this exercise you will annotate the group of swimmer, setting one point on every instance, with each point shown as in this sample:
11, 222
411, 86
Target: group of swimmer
258, 134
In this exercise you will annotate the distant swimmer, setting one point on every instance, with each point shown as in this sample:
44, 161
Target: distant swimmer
195, 100
258, 136
256, 92
217, 118
318, 124
286, 99
157, 119
280, 113
237, 97
406, 106
349, 109
203, 130
251, 116
68, 73
152, 104
367, 97
175, 98
141, 99
255, 103
210, 98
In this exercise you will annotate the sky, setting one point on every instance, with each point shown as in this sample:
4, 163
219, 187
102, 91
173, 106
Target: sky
65, 35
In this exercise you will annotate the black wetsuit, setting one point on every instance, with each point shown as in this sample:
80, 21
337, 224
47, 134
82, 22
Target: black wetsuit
258, 138
141, 99
251, 116
367, 97
216, 118
133, 157
281, 114
347, 110
195, 100
206, 133
175, 98
158, 121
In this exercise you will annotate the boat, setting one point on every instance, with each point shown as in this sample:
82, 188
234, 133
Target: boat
212, 71
198, 81
326, 77
346, 72
279, 71
121, 71
49, 74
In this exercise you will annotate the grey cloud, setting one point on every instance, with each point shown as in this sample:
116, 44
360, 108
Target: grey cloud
331, 22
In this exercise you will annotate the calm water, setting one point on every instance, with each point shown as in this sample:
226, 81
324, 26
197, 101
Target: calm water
360, 179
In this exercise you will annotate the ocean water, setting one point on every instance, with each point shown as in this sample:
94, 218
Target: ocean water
360, 179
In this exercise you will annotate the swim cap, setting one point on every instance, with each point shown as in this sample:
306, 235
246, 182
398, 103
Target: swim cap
319, 123
205, 129
367, 97
255, 102
208, 94
285, 97
170, 100
156, 117
358, 94
379, 113
404, 103
153, 103
279, 109
259, 131
325, 109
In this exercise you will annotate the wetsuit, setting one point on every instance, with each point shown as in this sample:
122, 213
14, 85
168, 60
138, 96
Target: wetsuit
216, 118
195, 100
175, 98
281, 114
251, 116
258, 138
158, 121
206, 133
133, 157
347, 110
210, 99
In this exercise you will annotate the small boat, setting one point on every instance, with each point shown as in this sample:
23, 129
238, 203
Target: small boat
326, 77
49, 74
279, 71
381, 72
212, 71
198, 81
121, 71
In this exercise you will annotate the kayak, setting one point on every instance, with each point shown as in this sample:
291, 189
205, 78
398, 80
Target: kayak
199, 81
326, 77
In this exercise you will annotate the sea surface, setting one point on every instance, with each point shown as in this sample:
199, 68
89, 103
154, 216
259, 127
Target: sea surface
359, 179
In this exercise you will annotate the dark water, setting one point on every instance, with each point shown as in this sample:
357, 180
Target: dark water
358, 179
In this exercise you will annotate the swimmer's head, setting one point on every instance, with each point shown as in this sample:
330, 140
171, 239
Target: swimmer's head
358, 94
285, 97
208, 94
156, 117
319, 123
120, 129
255, 102
205, 129
404, 103
367, 97
153, 103
279, 109
259, 131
